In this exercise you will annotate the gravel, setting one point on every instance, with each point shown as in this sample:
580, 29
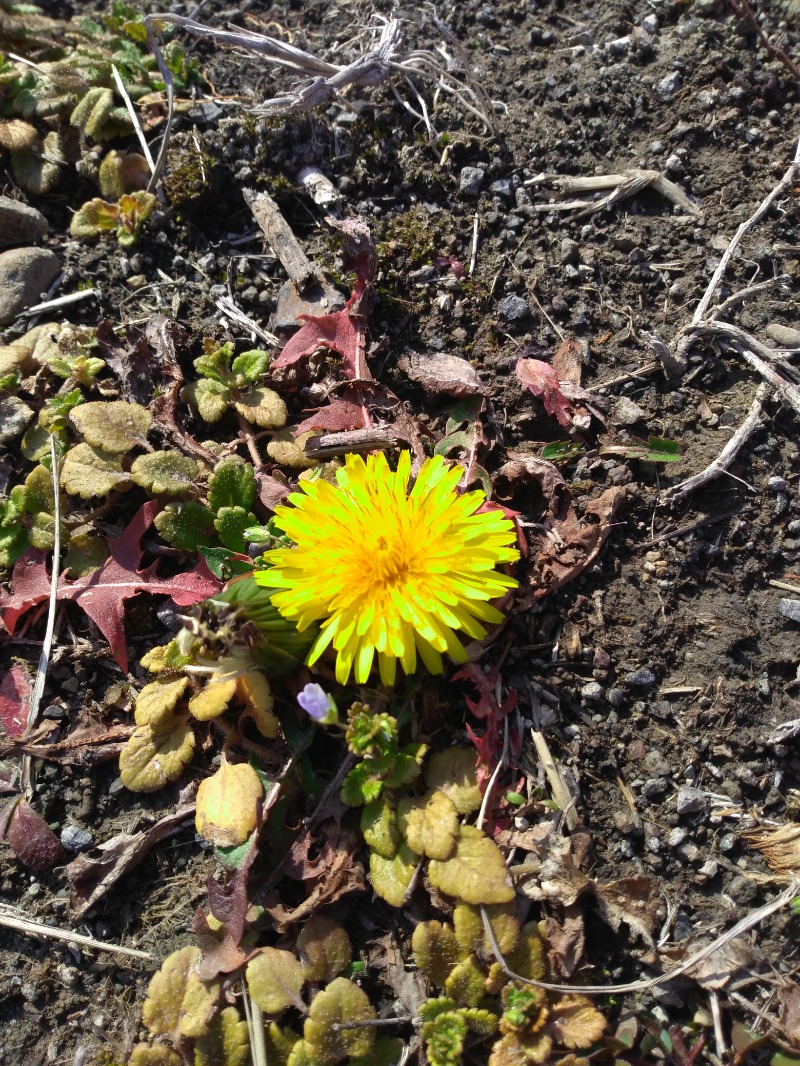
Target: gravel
25, 275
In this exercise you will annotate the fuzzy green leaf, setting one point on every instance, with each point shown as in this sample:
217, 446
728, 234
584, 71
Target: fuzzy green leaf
249, 366
211, 398
262, 407
88, 472
274, 979
232, 484
113, 425
225, 1043
435, 951
475, 873
215, 363
391, 878
430, 825
341, 1001
379, 828
165, 473
187, 525
325, 948
454, 772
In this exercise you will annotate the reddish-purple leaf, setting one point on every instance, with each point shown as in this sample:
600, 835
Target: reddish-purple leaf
343, 332
336, 417
29, 836
542, 380
103, 593
15, 697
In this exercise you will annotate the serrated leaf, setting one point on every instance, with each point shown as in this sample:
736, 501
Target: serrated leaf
575, 1022
444, 1038
87, 471
249, 366
470, 934
34, 173
341, 1001
475, 873
187, 525
157, 701
379, 828
455, 773
435, 951
430, 825
274, 980
211, 398
228, 804
94, 218
113, 425
225, 1043
152, 757
232, 484
161, 1010
466, 982
165, 473
279, 1043
325, 949
230, 524
262, 407
16, 134
215, 363
213, 700
391, 878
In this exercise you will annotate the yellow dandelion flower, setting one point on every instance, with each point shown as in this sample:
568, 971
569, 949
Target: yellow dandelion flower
386, 572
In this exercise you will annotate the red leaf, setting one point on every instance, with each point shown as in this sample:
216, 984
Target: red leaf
15, 698
103, 593
29, 835
343, 332
490, 744
337, 416
542, 380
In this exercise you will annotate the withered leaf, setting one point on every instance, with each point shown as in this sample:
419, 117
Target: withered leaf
441, 374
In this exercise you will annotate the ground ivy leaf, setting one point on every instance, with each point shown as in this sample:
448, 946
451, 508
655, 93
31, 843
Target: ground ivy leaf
232, 484
466, 983
575, 1022
211, 398
88, 472
430, 825
475, 873
213, 700
156, 702
262, 407
379, 828
161, 1010
251, 365
470, 934
187, 525
152, 757
274, 980
226, 1041
165, 473
435, 950
199, 1005
326, 948
230, 523
341, 1001
455, 773
113, 425
391, 877
228, 804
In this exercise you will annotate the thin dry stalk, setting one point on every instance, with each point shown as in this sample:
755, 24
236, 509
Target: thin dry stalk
12, 920
123, 92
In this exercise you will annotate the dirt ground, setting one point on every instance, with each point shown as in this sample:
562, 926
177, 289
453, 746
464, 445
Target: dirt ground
659, 675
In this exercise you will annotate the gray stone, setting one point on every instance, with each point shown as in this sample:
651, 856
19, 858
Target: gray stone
319, 299
14, 418
777, 484
689, 851
76, 839
786, 336
513, 309
19, 223
650, 24
791, 609
641, 678
592, 691
569, 251
691, 801
615, 696
627, 413
503, 187
470, 181
668, 87
654, 787
676, 837
709, 869
25, 274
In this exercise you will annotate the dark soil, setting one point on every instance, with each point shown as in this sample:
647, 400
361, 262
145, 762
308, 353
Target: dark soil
667, 663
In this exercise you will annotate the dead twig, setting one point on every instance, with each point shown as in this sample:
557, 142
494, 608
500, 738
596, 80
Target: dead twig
727, 455
623, 185
13, 920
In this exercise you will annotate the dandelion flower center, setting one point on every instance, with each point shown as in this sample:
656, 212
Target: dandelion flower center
390, 573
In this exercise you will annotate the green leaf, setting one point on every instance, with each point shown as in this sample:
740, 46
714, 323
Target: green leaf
113, 425
249, 366
262, 407
435, 951
88, 472
232, 484
430, 825
94, 218
654, 450
230, 523
391, 878
222, 563
211, 398
165, 473
13, 536
325, 948
215, 363
341, 1001
186, 525
475, 873
274, 980
379, 828
562, 451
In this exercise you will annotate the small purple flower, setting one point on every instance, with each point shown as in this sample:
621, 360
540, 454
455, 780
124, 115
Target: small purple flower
316, 702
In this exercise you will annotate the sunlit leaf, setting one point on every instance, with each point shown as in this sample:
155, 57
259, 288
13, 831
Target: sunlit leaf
227, 804
113, 425
152, 757
391, 878
87, 472
341, 1001
475, 873
325, 948
430, 825
435, 951
274, 979
454, 772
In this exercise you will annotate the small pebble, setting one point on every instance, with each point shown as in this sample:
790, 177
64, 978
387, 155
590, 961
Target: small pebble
667, 88
691, 801
776, 484
592, 691
76, 839
709, 869
676, 837
641, 678
513, 308
470, 181
615, 696
791, 609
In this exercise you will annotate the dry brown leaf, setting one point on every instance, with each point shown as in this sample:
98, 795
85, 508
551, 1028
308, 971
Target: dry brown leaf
780, 845
566, 943
444, 374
